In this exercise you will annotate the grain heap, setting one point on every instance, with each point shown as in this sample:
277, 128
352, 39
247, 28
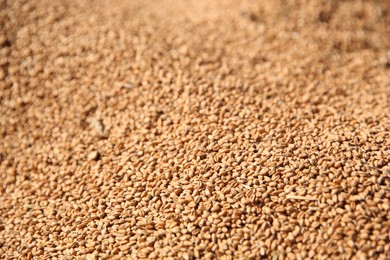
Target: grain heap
194, 129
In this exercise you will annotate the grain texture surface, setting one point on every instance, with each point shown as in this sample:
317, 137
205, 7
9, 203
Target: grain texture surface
194, 129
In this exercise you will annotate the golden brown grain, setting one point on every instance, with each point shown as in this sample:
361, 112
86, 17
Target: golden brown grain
194, 129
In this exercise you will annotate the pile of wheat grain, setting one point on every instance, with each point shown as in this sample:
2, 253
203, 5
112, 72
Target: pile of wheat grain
194, 129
